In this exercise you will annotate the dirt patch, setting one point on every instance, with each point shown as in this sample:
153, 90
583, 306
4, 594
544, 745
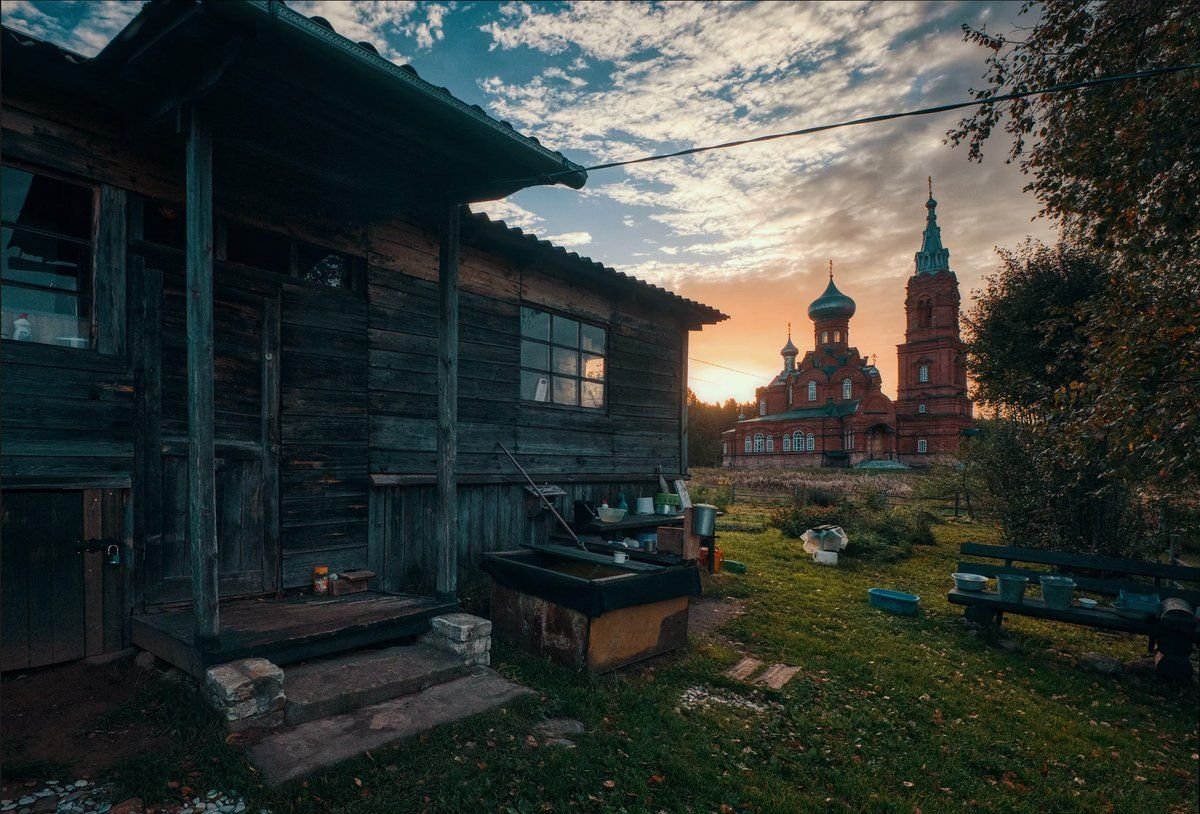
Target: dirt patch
708, 614
77, 719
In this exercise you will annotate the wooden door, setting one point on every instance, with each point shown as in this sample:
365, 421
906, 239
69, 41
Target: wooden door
43, 591
246, 441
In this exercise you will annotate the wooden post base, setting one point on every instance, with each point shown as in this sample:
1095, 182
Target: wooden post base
981, 615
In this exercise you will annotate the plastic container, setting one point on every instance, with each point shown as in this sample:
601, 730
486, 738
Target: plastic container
608, 515
969, 582
893, 601
825, 557
644, 505
703, 561
1012, 587
1057, 592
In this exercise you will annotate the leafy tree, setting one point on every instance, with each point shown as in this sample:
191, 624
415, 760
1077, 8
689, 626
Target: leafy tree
1026, 333
1118, 167
706, 422
1116, 164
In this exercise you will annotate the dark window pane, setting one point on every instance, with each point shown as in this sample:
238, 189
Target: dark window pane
324, 267
593, 339
254, 247
566, 361
46, 203
593, 367
566, 332
535, 386
535, 354
592, 395
566, 391
46, 317
535, 324
164, 224
36, 259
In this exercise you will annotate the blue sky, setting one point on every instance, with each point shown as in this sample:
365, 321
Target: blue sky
749, 230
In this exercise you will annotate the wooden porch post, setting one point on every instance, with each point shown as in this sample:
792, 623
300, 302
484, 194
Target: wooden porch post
201, 520
447, 426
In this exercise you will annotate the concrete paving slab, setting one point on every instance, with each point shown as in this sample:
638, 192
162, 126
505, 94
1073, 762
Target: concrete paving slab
777, 675
324, 742
743, 669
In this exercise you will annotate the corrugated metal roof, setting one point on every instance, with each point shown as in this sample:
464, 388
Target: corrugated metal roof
498, 228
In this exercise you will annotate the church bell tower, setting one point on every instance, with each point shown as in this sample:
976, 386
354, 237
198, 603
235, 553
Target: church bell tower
932, 408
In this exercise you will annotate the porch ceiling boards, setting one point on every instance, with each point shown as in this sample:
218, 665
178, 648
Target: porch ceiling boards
287, 630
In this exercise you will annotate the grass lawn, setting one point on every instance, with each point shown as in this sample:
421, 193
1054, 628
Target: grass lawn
888, 714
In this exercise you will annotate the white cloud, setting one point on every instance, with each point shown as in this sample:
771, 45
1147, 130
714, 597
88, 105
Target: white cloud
571, 239
511, 213
99, 23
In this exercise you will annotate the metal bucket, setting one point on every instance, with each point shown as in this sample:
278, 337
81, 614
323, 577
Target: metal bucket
704, 520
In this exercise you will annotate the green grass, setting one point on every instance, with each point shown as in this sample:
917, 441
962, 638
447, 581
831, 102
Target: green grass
888, 714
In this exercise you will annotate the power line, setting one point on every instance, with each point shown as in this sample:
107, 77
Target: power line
730, 369
1084, 84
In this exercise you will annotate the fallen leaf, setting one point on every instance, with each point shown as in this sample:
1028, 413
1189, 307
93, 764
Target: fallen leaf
358, 782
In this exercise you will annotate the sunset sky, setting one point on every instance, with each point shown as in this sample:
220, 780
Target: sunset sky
749, 230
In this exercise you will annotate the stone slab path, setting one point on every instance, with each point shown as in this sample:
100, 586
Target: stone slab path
775, 676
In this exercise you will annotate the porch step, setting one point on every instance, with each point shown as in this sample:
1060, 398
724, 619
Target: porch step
332, 686
324, 742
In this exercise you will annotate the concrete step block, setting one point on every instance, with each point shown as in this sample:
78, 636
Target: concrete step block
340, 684
318, 744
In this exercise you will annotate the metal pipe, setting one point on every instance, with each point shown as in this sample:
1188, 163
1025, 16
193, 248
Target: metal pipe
545, 501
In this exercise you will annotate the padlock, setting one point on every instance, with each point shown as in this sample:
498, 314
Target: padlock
112, 555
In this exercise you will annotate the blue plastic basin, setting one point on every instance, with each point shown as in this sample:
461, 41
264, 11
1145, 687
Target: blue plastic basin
893, 601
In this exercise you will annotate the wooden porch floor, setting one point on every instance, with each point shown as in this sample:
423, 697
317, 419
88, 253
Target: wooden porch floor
288, 629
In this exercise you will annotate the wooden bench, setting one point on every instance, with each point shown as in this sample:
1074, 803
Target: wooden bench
1173, 632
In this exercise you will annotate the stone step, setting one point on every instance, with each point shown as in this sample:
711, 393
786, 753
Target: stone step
332, 686
324, 742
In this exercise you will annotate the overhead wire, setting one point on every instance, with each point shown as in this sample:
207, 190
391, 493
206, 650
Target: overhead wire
1083, 84
730, 369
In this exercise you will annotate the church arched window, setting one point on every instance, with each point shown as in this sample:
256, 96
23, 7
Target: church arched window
847, 389
812, 442
758, 442
749, 442
812, 391
924, 312
923, 373
787, 442
798, 441
837, 337
770, 443
848, 440
762, 407
790, 393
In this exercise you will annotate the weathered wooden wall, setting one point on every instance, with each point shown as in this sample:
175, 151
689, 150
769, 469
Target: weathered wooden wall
357, 381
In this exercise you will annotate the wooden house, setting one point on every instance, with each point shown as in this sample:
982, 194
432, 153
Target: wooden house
250, 327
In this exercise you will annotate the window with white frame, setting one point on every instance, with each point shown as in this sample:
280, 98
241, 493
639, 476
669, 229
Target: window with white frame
770, 443
847, 388
762, 407
787, 442
923, 373
562, 360
848, 440
921, 408
798, 441
922, 445
758, 442
749, 443
812, 391
812, 443
837, 336
824, 337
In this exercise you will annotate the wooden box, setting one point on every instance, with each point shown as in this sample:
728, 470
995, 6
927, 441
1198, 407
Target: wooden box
350, 582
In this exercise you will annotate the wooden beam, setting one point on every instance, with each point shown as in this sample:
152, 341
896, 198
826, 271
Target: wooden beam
683, 404
447, 426
201, 521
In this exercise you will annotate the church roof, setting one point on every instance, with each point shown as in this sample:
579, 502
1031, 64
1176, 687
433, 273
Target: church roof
832, 304
933, 256
835, 409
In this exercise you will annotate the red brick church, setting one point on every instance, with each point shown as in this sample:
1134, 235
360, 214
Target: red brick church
827, 408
